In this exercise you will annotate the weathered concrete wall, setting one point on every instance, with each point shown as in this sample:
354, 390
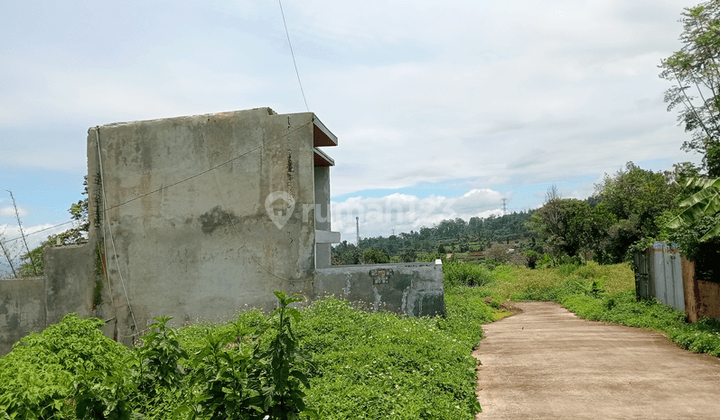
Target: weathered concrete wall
709, 302
32, 304
189, 212
414, 289
22, 309
70, 276
702, 298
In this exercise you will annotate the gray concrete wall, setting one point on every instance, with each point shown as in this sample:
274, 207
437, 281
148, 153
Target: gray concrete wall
189, 217
322, 214
414, 289
22, 309
32, 304
70, 275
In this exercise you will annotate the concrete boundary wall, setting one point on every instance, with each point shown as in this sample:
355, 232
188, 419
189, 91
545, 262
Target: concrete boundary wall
662, 273
413, 289
34, 303
22, 309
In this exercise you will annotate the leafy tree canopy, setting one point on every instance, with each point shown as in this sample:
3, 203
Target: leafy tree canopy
694, 70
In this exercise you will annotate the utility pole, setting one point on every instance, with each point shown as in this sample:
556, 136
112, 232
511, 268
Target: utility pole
357, 229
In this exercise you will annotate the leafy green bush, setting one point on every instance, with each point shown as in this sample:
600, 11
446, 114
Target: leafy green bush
702, 337
457, 273
69, 360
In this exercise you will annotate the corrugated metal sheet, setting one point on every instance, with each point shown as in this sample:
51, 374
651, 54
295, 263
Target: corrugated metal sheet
658, 273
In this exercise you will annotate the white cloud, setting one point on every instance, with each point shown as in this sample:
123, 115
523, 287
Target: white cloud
484, 93
9, 211
404, 212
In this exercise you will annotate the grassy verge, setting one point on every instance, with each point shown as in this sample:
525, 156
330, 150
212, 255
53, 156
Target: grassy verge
604, 293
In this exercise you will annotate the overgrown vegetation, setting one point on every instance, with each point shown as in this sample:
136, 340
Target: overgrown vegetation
72, 371
457, 273
329, 360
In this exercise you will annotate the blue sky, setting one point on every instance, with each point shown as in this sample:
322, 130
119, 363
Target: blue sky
450, 105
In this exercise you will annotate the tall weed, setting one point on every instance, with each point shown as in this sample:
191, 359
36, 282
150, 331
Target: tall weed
459, 273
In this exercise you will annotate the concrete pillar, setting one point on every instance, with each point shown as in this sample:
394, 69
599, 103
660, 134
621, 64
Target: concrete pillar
322, 214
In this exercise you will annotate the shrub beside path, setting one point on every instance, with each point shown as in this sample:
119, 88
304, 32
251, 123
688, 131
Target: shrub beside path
546, 363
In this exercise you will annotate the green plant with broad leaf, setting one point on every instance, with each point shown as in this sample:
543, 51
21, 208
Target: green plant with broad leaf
224, 383
158, 359
99, 395
283, 391
705, 202
236, 376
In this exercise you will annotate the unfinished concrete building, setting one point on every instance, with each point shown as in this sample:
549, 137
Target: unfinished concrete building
199, 217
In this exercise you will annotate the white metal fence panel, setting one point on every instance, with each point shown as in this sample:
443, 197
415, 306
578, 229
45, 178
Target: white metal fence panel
658, 273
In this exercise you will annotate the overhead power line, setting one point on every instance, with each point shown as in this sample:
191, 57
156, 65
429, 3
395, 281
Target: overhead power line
292, 53
41, 230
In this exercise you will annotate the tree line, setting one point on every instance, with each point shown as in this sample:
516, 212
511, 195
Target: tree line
450, 235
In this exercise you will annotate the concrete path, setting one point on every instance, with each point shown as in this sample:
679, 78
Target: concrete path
546, 363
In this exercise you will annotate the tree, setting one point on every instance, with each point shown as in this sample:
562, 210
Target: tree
408, 255
637, 198
33, 261
373, 256
570, 226
695, 227
345, 254
7, 253
695, 71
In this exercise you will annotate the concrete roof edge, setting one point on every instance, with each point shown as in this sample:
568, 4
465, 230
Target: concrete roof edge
266, 109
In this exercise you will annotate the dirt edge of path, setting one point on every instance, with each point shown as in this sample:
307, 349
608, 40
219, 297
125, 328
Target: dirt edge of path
511, 307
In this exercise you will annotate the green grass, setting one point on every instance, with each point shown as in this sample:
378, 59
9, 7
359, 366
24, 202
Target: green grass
519, 283
364, 365
457, 273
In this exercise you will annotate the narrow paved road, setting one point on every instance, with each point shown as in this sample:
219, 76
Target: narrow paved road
546, 363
